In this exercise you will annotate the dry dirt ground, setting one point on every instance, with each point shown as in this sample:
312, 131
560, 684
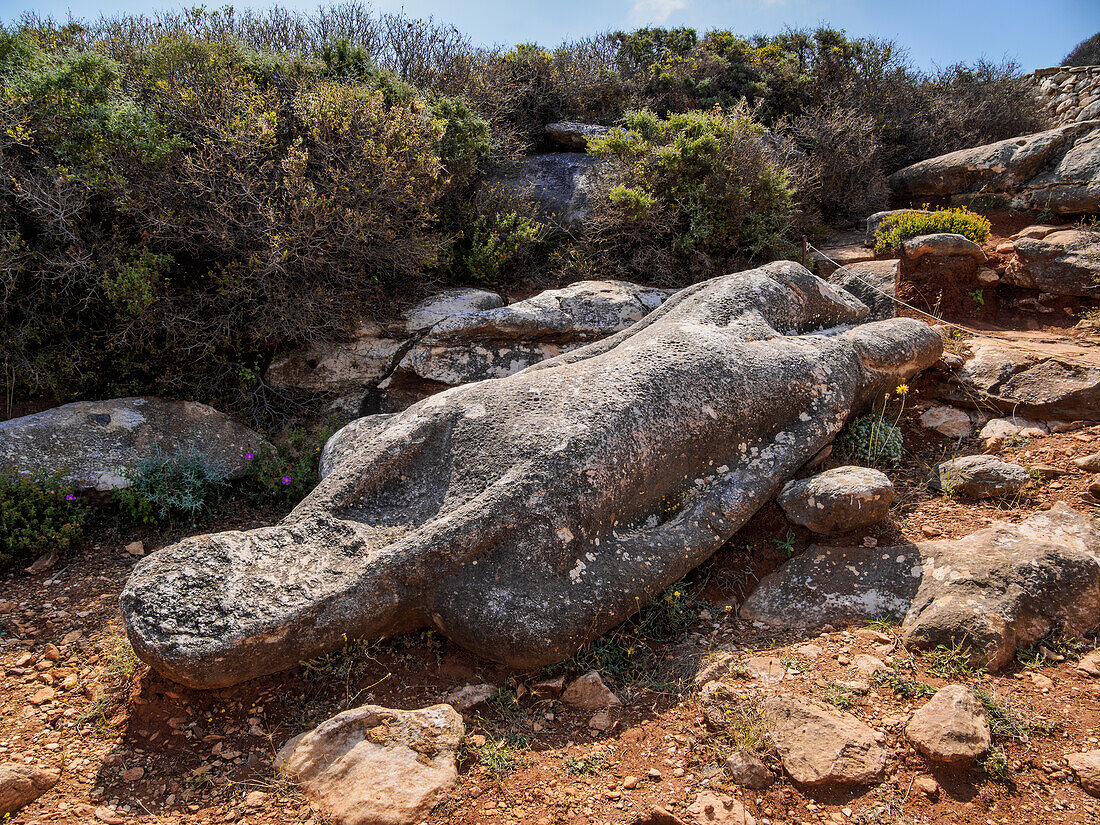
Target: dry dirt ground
132, 747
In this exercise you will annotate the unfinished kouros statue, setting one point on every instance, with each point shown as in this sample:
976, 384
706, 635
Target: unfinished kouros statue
524, 516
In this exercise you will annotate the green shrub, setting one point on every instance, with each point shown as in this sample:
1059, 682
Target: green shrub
36, 516
171, 484
289, 471
686, 196
895, 229
872, 439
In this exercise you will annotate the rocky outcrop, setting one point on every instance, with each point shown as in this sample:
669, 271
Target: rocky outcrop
1057, 170
91, 444
461, 336
21, 784
574, 136
979, 476
560, 183
1066, 262
376, 766
838, 500
822, 747
524, 516
1086, 767
1032, 377
994, 591
951, 727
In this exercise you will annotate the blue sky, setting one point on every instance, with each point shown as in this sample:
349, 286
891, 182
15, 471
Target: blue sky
1036, 33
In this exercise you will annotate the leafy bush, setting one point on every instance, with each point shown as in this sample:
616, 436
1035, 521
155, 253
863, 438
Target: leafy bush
289, 471
687, 195
895, 229
36, 516
168, 484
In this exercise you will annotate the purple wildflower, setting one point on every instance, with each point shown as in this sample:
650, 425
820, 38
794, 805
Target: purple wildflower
248, 456
286, 479
70, 497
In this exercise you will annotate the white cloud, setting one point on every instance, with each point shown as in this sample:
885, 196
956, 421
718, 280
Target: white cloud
654, 11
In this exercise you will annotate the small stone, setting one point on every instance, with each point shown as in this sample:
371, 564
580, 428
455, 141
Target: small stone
108, 816
478, 740
951, 727
979, 476
51, 654
22, 784
255, 799
469, 697
1089, 664
133, 774
43, 563
601, 721
927, 785
630, 782
548, 688
1089, 463
136, 548
46, 694
590, 693
710, 807
931, 531
988, 277
1086, 767
1042, 682
947, 421
838, 500
869, 665
654, 774
746, 768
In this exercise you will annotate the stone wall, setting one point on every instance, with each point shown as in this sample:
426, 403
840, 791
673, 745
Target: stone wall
1070, 93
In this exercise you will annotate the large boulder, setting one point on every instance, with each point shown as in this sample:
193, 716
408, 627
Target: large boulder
994, 591
574, 136
560, 183
1066, 262
338, 366
376, 766
821, 747
523, 516
1057, 170
838, 500
91, 444
445, 304
1034, 377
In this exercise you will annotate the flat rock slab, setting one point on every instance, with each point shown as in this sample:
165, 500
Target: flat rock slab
92, 443
822, 747
951, 727
1057, 170
1032, 375
376, 766
994, 591
522, 517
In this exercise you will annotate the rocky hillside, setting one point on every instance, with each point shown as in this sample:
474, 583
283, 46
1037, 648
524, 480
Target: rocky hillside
759, 538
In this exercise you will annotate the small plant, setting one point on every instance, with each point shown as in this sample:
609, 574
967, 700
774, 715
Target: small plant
120, 663
977, 296
838, 695
499, 757
947, 483
344, 667
593, 763
953, 661
745, 728
289, 471
37, 515
961, 221
669, 615
901, 684
872, 438
1057, 642
1007, 721
169, 484
785, 543
996, 763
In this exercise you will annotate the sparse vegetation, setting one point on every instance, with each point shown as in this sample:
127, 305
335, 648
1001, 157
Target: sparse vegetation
118, 664
952, 661
163, 485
